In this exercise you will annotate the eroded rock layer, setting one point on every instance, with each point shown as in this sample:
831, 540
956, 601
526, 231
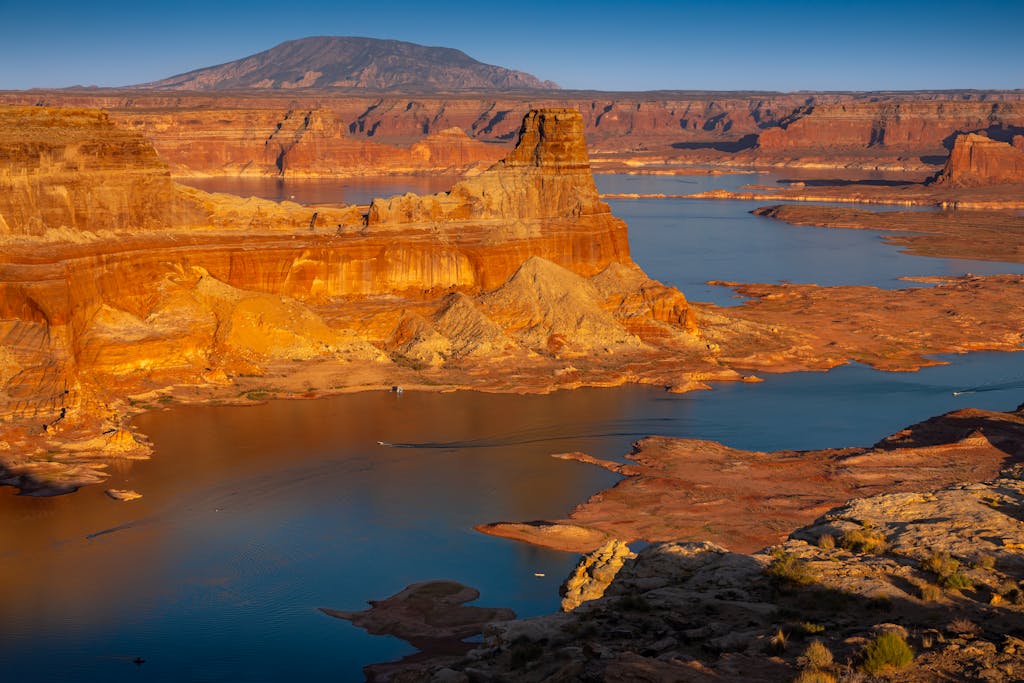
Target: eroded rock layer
521, 266
246, 131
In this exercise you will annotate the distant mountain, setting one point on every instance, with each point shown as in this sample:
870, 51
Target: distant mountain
347, 62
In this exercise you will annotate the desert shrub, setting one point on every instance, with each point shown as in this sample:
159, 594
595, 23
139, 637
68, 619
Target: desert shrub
817, 655
864, 541
984, 561
940, 564
814, 676
931, 593
811, 628
956, 581
827, 541
887, 651
963, 627
789, 568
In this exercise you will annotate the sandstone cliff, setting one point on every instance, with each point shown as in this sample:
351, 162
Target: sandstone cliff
896, 131
295, 143
521, 267
74, 169
979, 160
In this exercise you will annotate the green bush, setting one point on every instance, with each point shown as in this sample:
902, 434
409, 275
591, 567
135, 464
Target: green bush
789, 568
864, 541
956, 581
940, 564
887, 651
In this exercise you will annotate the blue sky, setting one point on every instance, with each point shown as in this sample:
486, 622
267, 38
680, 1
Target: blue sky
638, 45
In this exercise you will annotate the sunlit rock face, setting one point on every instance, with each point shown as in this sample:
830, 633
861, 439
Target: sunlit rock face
67, 168
979, 160
116, 281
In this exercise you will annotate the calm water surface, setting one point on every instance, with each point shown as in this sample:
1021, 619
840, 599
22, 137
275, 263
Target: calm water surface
254, 517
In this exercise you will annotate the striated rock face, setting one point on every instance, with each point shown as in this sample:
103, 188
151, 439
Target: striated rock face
907, 125
335, 61
62, 168
979, 160
546, 176
520, 267
294, 143
885, 131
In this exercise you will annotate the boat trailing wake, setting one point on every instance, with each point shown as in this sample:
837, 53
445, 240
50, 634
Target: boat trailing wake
597, 430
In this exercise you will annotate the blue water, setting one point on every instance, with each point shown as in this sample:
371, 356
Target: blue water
254, 517
686, 242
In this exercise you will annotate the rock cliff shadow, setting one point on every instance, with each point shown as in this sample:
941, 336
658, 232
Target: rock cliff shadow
730, 146
29, 485
1000, 132
957, 427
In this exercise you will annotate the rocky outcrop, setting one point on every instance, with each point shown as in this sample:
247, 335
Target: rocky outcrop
370, 63
234, 288
979, 160
594, 574
941, 568
73, 169
701, 490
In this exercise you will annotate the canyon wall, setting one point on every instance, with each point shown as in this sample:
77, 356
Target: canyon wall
912, 126
144, 292
338, 132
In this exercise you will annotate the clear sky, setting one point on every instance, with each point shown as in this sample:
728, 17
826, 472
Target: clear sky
585, 44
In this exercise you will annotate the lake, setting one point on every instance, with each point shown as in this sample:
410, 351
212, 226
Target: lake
254, 517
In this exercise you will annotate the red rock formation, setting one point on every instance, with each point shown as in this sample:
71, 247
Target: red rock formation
294, 143
890, 130
74, 169
906, 125
979, 160
159, 295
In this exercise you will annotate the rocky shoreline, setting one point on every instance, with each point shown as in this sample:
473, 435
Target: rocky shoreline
939, 568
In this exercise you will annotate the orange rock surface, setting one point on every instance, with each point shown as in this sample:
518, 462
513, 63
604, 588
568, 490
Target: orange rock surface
979, 160
691, 490
518, 279
223, 289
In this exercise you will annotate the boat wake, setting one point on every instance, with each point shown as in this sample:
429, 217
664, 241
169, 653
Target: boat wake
633, 429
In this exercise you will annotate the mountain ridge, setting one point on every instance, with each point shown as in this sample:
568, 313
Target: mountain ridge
351, 61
